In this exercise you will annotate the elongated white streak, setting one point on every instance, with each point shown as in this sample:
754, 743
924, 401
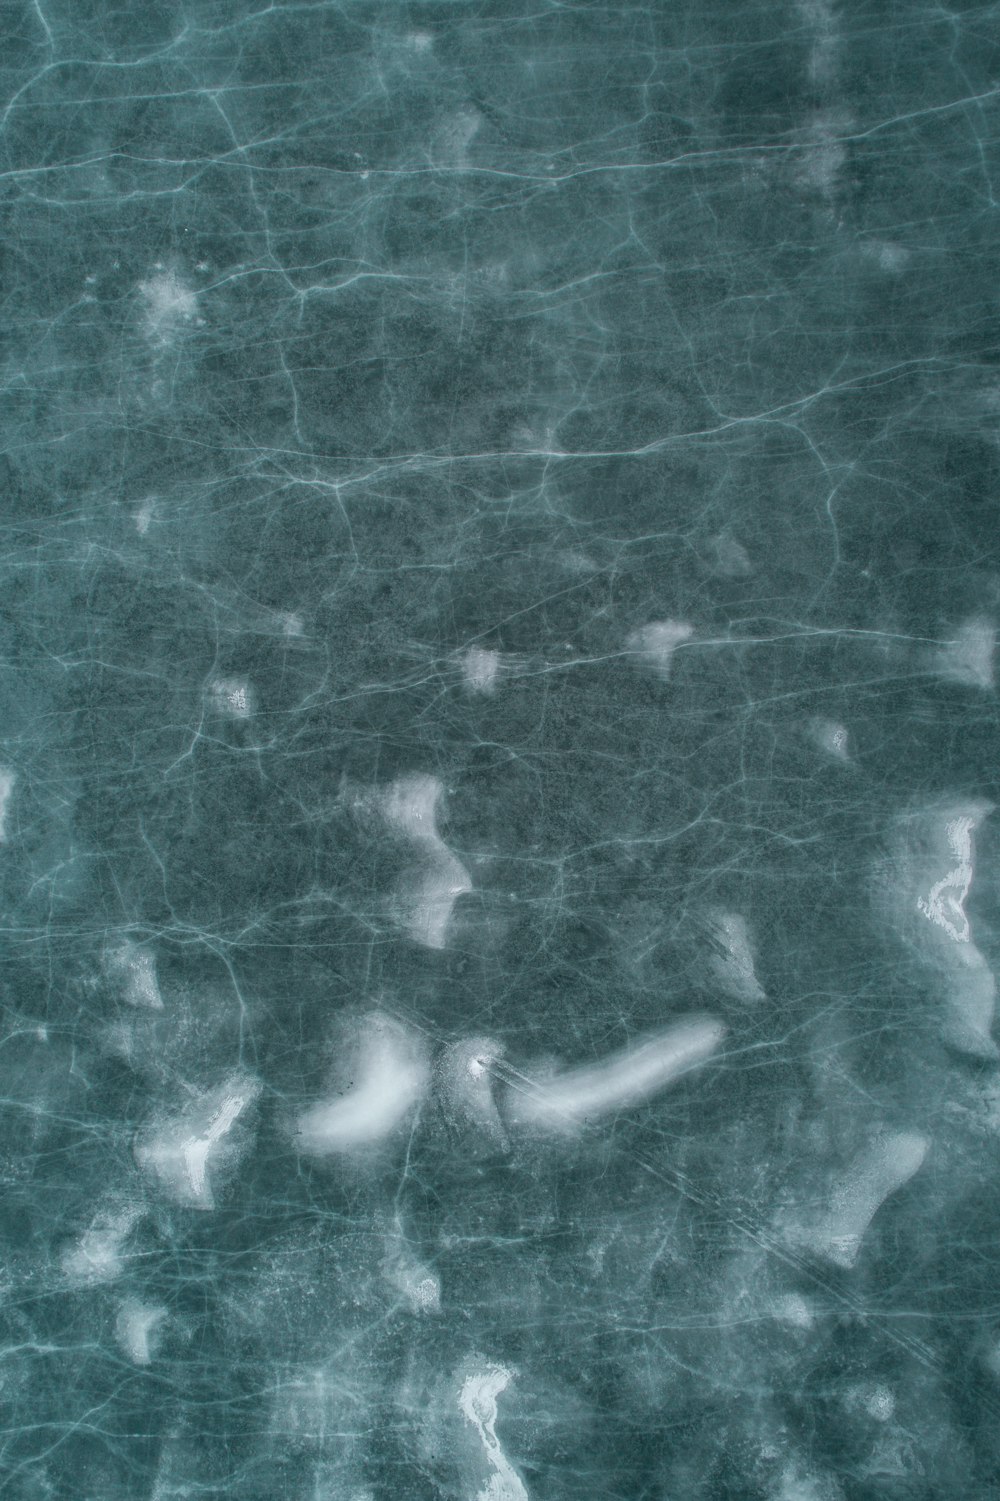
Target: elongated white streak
585, 1094
391, 1077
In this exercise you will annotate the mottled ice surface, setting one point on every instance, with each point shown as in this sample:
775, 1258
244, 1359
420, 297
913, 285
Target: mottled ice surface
499, 861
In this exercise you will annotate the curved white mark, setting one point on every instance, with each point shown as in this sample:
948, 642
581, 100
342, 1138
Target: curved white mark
569, 1101
391, 1076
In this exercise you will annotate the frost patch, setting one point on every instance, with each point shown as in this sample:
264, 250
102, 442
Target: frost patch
477, 1399
169, 305
968, 657
135, 1329
656, 643
185, 1155
568, 1102
388, 1079
133, 972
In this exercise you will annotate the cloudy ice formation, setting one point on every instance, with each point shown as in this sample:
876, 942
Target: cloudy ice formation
132, 970
389, 1077
655, 644
465, 1085
837, 1232
968, 657
186, 1153
929, 881
731, 961
427, 891
569, 1101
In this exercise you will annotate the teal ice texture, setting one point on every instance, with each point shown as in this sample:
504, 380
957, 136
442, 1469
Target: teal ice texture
499, 576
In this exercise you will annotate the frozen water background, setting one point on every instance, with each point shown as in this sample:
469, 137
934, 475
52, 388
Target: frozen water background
499, 741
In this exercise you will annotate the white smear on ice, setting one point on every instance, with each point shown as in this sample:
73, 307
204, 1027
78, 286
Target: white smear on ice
939, 842
480, 669
169, 304
478, 1402
831, 738
99, 1254
465, 1085
134, 972
732, 962
968, 658
945, 903
427, 894
390, 1078
181, 1153
656, 643
7, 780
570, 1101
232, 697
876, 1173
135, 1329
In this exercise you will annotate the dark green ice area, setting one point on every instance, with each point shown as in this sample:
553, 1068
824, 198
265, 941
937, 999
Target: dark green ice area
499, 574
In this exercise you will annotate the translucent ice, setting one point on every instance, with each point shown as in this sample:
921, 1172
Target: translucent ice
185, 1153
880, 1170
389, 1078
569, 1101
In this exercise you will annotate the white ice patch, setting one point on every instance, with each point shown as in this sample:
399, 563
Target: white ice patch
464, 1077
389, 1079
232, 697
945, 902
169, 304
142, 516
568, 1102
477, 1399
831, 737
135, 1329
480, 669
418, 1284
968, 657
732, 963
427, 893
877, 1172
185, 1154
133, 972
99, 1254
934, 869
7, 780
655, 644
